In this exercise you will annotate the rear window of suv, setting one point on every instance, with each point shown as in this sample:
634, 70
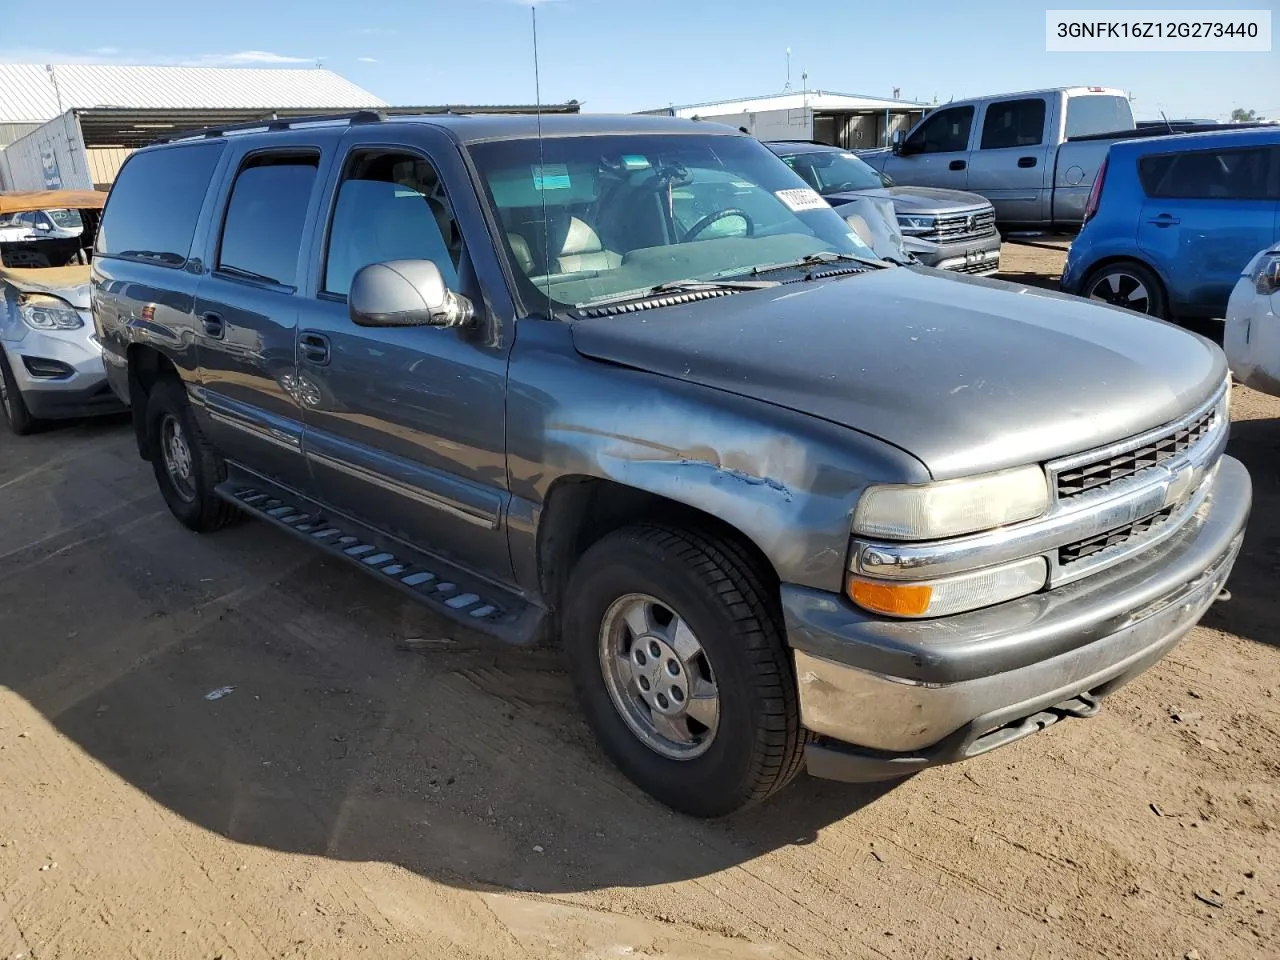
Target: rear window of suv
1240, 174
155, 202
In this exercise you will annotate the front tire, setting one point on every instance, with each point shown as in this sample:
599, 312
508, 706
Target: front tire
676, 649
1128, 284
12, 406
186, 466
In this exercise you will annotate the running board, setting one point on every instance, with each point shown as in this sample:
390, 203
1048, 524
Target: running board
443, 587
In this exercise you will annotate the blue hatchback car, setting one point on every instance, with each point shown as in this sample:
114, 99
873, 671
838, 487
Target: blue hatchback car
1173, 220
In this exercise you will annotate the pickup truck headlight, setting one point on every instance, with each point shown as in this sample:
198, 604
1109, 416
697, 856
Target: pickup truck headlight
950, 508
43, 312
947, 595
916, 226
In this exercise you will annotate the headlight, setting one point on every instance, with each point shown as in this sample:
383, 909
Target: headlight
938, 598
950, 508
1264, 271
914, 226
42, 312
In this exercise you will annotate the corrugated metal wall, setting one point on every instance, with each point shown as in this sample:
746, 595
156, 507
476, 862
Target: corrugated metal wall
105, 163
51, 156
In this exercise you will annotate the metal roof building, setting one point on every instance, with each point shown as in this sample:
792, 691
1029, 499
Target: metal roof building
73, 125
842, 119
33, 93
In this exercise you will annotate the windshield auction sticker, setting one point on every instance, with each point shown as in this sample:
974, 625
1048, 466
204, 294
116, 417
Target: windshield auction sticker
1141, 31
801, 199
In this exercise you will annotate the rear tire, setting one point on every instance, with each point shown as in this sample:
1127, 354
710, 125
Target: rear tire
12, 406
186, 466
716, 726
1128, 284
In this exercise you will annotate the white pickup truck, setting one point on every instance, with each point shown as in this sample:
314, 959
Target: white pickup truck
1034, 155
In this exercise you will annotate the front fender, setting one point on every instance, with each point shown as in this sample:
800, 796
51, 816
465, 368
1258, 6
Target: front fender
786, 481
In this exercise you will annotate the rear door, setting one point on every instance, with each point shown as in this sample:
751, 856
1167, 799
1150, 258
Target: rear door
246, 310
1206, 213
936, 153
1012, 164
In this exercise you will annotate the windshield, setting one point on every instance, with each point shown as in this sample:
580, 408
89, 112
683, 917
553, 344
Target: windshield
834, 171
592, 218
68, 219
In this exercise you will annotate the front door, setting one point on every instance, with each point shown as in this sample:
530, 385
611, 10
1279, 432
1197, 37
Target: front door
246, 313
1206, 214
405, 428
936, 153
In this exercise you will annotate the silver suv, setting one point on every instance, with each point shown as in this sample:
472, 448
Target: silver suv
630, 384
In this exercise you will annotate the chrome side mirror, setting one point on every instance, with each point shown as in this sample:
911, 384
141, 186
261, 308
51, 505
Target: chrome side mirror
405, 293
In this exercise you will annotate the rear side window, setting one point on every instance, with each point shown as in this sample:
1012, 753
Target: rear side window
262, 231
152, 212
1241, 174
1087, 115
1013, 123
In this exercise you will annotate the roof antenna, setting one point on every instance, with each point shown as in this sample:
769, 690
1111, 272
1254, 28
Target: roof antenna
541, 180
1166, 121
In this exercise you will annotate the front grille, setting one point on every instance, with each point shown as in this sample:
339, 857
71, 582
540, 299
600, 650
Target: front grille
984, 266
1099, 473
958, 227
1081, 549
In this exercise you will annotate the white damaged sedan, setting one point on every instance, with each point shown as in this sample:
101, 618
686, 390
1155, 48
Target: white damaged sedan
1252, 336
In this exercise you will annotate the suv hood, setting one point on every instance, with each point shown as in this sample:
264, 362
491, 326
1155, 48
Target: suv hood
914, 199
934, 200
967, 374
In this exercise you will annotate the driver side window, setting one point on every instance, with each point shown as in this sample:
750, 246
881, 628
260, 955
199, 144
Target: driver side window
390, 206
946, 131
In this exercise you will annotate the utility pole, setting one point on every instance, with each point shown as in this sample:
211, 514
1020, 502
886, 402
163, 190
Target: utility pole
787, 86
53, 77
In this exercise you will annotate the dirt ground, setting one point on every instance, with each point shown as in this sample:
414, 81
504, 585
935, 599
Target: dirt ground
378, 784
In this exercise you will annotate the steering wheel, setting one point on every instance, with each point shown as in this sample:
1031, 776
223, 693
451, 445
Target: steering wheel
711, 218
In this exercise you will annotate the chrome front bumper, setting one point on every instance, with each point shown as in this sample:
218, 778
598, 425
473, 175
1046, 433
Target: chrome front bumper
980, 256
887, 698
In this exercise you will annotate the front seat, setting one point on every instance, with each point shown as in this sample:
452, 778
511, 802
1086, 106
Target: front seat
582, 250
375, 221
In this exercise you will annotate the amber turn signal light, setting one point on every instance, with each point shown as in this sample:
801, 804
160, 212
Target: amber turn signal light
891, 599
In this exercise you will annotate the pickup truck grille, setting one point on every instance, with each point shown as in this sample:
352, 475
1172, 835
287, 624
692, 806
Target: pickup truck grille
959, 227
1071, 552
1100, 473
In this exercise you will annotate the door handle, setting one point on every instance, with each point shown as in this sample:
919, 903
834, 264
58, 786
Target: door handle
213, 325
1026, 161
1165, 220
315, 348
956, 165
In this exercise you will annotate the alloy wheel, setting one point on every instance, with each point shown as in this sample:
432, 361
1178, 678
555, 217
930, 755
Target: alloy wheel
1122, 290
659, 677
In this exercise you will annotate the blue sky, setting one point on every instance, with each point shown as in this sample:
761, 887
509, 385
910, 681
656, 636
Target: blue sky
631, 56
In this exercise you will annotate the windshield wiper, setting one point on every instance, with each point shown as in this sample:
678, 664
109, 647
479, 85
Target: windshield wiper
678, 286
824, 256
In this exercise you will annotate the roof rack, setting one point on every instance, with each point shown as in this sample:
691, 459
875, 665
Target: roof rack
273, 123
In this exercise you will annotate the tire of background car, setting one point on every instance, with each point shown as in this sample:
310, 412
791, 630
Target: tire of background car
1129, 284
14, 408
187, 468
705, 625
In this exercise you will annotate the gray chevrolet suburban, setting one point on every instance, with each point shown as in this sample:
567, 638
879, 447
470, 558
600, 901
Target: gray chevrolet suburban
630, 383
